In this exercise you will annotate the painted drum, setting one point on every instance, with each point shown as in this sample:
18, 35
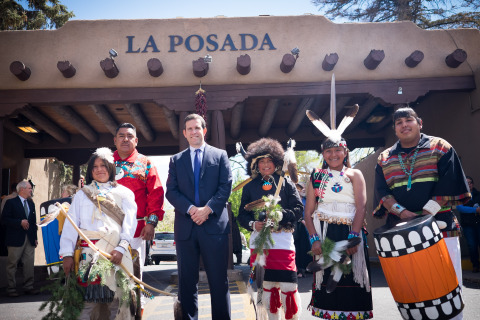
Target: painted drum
418, 269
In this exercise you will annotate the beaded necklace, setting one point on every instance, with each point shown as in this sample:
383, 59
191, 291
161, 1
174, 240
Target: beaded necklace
408, 173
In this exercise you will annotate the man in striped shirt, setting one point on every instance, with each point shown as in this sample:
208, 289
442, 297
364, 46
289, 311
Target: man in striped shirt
420, 175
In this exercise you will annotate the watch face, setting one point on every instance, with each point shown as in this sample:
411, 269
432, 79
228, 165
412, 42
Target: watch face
118, 173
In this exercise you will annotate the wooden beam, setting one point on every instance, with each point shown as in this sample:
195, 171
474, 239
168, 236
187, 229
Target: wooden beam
299, 115
364, 112
141, 121
218, 129
77, 121
109, 68
374, 58
329, 61
377, 127
171, 120
107, 118
268, 117
414, 58
288, 62
236, 121
155, 67
223, 97
182, 142
244, 64
30, 137
46, 124
200, 67
20, 71
66, 68
1, 163
456, 58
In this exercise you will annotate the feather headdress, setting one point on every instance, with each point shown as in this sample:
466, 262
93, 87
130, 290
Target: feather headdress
332, 133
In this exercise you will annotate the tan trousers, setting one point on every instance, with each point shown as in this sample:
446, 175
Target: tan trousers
27, 253
99, 311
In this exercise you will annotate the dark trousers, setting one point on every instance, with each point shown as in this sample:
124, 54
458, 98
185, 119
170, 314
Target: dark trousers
214, 252
472, 235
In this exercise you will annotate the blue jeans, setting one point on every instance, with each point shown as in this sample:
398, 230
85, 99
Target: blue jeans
472, 234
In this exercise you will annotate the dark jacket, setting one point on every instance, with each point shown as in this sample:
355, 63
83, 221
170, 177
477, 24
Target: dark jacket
12, 215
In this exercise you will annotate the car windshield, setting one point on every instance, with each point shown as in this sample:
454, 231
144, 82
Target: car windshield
164, 236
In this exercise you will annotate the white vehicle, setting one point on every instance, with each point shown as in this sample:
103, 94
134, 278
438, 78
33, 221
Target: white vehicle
163, 247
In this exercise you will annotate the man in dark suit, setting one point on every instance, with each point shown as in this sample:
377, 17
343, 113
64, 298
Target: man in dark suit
198, 186
19, 217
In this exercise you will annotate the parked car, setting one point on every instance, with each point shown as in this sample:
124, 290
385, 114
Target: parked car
163, 247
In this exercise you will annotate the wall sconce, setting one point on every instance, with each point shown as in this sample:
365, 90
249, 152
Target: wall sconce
208, 59
24, 124
400, 90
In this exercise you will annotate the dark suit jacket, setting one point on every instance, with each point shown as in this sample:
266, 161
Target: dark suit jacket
215, 188
12, 216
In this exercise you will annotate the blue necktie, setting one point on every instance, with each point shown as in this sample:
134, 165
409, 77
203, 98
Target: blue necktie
197, 166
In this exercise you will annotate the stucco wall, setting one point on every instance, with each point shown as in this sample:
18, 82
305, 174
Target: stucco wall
86, 43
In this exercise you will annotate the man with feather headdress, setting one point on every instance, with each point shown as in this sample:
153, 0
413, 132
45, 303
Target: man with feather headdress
272, 224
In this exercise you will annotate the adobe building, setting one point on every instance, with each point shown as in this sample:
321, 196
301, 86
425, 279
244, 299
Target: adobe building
260, 74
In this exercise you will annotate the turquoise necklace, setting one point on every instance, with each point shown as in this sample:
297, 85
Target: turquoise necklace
409, 173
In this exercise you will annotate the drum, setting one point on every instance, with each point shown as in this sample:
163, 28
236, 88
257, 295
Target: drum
418, 269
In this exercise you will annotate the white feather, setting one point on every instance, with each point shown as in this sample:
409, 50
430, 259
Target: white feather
104, 153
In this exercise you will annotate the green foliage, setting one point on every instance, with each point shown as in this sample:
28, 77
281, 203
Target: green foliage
235, 199
66, 301
36, 14
264, 240
427, 14
167, 224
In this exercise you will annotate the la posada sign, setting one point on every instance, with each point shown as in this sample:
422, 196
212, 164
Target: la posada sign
211, 42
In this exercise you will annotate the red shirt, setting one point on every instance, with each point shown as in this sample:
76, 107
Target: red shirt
137, 173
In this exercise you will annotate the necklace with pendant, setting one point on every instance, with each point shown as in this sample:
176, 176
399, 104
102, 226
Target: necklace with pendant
102, 194
268, 182
409, 172
337, 187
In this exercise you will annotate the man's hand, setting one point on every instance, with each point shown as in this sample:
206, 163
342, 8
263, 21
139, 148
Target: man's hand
352, 250
116, 257
405, 214
258, 225
68, 265
317, 248
200, 215
25, 225
148, 232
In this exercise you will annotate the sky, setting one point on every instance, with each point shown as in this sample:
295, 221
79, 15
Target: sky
163, 9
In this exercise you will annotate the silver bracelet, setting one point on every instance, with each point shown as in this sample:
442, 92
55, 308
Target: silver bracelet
432, 206
397, 209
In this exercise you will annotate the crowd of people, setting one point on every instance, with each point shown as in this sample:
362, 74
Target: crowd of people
120, 202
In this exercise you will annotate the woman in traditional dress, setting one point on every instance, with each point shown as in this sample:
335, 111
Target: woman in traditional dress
106, 213
335, 209
265, 159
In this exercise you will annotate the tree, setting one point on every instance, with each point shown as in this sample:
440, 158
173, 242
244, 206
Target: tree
427, 14
33, 14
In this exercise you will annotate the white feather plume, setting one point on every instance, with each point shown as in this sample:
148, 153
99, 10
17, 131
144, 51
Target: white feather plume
104, 153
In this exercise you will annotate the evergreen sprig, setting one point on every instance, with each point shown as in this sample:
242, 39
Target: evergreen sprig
66, 301
273, 214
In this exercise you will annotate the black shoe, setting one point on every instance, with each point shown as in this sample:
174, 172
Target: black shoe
32, 291
13, 294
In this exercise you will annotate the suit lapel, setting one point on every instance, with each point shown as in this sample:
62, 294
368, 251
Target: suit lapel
206, 154
20, 204
187, 163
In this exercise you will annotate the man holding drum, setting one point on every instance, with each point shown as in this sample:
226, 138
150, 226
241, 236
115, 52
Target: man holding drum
420, 175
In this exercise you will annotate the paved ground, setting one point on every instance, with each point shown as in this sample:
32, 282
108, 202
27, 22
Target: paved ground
161, 307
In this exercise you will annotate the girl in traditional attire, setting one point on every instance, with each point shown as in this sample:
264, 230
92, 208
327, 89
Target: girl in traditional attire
279, 291
106, 213
335, 211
